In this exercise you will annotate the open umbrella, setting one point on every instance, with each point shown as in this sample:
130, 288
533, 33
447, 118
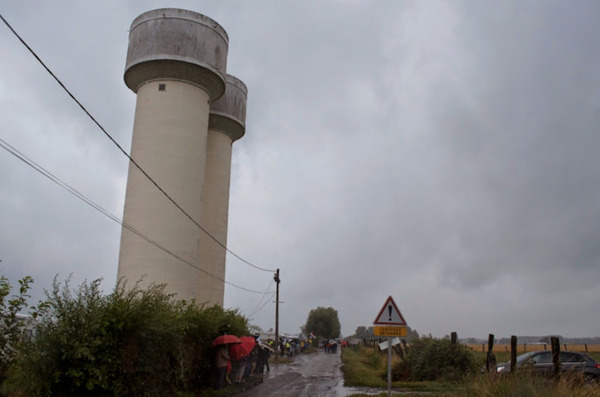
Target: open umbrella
243, 349
265, 346
226, 340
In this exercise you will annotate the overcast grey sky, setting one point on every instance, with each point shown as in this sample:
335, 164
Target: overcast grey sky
441, 152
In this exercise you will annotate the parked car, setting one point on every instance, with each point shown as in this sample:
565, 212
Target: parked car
541, 362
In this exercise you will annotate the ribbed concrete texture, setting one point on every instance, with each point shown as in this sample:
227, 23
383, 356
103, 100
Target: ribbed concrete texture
226, 125
176, 64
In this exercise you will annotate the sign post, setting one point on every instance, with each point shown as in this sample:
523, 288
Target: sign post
389, 322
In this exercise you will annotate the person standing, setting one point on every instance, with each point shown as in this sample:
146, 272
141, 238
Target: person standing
221, 360
260, 360
267, 354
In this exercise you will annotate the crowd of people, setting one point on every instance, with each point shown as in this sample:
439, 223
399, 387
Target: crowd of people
331, 345
290, 347
233, 368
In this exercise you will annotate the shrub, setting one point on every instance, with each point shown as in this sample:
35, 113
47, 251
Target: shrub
131, 342
437, 359
14, 329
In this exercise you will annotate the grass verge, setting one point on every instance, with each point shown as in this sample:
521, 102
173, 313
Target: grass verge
525, 384
367, 367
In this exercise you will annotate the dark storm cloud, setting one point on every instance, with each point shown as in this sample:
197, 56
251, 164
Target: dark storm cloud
524, 143
496, 182
443, 153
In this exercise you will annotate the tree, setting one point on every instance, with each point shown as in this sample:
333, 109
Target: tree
361, 332
323, 322
411, 334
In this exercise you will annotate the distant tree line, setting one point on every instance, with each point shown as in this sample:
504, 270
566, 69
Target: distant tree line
535, 339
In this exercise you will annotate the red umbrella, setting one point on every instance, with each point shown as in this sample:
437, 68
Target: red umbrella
226, 340
239, 351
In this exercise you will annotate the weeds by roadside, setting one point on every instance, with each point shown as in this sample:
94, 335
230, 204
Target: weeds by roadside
526, 384
366, 367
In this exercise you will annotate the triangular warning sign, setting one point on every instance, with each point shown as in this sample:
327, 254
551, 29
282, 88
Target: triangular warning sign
389, 314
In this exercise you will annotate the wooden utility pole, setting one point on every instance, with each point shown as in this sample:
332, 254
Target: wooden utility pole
277, 281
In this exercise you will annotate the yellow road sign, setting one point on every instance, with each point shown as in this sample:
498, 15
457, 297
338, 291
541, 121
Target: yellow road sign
389, 331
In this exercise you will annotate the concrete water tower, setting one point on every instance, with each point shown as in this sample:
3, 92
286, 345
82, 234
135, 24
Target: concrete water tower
227, 123
182, 138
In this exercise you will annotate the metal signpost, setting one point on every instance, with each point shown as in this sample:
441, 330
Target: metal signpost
389, 322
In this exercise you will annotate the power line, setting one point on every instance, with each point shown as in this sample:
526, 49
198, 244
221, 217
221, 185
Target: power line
251, 315
257, 308
126, 154
15, 152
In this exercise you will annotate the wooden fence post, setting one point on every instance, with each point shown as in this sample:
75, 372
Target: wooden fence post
513, 353
555, 343
490, 362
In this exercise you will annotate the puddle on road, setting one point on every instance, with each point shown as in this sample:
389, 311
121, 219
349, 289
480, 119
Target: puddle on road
343, 391
335, 377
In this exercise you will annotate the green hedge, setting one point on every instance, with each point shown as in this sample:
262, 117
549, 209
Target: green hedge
436, 359
132, 342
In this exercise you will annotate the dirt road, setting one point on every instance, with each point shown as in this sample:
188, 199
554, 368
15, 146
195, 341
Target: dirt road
308, 375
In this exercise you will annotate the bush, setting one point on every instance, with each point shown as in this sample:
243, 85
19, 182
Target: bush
437, 359
132, 342
14, 326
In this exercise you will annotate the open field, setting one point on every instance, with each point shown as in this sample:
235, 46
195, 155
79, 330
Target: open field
523, 348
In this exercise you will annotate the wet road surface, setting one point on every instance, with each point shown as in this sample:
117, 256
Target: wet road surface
308, 375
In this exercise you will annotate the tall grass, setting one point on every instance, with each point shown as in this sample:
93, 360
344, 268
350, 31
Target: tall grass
367, 367
525, 385
363, 367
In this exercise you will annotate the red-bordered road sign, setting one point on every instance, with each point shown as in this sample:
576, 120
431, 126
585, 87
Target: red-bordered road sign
389, 314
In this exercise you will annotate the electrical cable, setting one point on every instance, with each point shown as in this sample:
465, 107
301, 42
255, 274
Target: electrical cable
256, 309
126, 154
251, 316
15, 152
